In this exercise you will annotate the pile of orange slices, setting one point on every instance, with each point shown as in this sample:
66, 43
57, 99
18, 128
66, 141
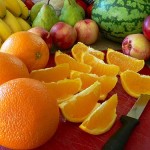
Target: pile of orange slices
80, 84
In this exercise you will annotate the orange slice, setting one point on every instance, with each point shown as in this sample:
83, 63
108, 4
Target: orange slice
73, 64
134, 83
125, 62
102, 118
64, 88
99, 67
77, 107
51, 74
96, 53
107, 82
79, 49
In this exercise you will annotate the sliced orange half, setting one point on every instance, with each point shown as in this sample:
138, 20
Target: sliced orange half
77, 107
134, 83
51, 74
61, 58
102, 118
107, 82
125, 62
80, 48
64, 88
99, 67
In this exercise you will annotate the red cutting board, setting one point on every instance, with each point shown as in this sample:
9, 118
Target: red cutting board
70, 137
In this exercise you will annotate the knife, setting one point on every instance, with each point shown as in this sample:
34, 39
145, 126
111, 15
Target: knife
129, 122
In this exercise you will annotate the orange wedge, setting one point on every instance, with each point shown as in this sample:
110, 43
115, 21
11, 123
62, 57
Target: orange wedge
96, 53
107, 82
64, 88
134, 83
125, 62
79, 49
77, 107
61, 58
51, 74
102, 118
99, 67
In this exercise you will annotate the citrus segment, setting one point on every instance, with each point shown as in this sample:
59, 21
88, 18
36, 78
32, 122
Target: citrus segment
80, 48
125, 62
64, 88
77, 107
51, 74
11, 67
134, 83
107, 82
73, 64
99, 67
96, 53
29, 117
102, 118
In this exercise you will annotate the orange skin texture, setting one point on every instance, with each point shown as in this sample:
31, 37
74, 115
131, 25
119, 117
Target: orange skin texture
30, 48
29, 116
11, 67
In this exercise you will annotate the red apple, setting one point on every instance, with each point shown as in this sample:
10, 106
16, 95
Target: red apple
146, 27
137, 46
63, 35
29, 3
44, 34
87, 31
82, 4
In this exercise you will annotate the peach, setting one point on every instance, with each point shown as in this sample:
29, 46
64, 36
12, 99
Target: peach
44, 34
137, 46
63, 35
87, 31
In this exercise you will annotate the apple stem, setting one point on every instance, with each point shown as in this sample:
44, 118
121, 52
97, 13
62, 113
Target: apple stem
48, 2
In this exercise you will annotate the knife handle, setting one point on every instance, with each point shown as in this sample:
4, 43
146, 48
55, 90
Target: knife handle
119, 139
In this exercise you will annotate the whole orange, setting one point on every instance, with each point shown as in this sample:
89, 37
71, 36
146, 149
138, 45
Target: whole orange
11, 67
29, 47
29, 116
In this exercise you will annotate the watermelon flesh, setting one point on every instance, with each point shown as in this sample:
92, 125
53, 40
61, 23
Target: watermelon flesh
119, 18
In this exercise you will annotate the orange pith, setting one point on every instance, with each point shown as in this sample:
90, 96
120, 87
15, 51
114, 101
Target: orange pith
80, 48
51, 74
102, 118
134, 83
29, 117
107, 82
73, 64
30, 48
64, 88
77, 107
124, 62
96, 53
99, 67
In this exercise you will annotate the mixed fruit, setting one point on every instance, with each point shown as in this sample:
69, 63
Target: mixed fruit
89, 75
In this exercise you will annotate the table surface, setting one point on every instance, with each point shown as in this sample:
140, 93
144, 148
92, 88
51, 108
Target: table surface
103, 44
70, 137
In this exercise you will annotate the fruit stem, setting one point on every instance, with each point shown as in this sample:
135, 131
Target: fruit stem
48, 2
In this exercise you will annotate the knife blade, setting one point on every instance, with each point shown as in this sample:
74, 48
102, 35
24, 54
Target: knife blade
129, 122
